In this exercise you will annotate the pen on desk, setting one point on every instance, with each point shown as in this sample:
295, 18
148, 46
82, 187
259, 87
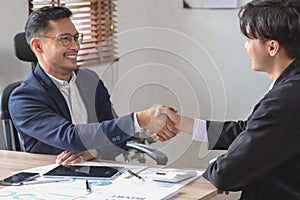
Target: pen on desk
134, 174
88, 186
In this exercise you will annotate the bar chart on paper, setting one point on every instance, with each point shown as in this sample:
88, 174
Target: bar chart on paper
76, 189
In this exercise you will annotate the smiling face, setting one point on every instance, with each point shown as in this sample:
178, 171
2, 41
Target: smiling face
56, 59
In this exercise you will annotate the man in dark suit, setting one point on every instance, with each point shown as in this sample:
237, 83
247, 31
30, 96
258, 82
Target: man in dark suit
63, 110
263, 152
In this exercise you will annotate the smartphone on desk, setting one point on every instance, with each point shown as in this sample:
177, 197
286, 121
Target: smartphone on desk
19, 178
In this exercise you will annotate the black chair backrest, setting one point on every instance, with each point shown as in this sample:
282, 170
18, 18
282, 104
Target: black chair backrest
23, 50
11, 136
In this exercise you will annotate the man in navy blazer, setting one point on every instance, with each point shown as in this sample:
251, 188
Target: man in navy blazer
63, 110
263, 152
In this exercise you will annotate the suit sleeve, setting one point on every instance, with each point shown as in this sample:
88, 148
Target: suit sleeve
258, 149
105, 111
221, 134
35, 115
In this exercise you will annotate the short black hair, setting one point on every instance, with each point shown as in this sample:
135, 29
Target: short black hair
273, 20
37, 22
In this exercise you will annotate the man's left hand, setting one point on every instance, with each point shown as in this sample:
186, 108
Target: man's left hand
68, 157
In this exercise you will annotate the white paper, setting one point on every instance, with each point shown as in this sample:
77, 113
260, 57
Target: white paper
75, 189
118, 189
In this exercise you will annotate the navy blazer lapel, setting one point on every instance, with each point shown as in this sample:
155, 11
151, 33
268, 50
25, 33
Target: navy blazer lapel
53, 91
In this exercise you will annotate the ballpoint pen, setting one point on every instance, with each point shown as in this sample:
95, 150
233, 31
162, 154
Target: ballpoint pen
136, 175
88, 186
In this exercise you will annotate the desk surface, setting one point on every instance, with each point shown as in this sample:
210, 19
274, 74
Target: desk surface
11, 161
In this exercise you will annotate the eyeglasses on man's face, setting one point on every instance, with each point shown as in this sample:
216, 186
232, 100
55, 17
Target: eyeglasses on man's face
66, 38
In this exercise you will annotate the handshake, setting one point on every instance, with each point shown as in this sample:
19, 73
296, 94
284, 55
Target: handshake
163, 123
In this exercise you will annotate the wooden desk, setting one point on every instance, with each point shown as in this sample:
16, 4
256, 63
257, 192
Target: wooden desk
11, 161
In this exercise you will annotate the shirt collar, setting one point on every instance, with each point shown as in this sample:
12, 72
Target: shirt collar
61, 83
271, 85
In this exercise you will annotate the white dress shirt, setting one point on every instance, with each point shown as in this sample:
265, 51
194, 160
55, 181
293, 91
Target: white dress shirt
72, 96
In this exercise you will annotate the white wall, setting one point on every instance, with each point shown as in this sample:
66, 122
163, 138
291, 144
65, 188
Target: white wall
13, 17
193, 60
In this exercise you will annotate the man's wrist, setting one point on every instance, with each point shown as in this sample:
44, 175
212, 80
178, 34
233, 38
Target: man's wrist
137, 127
143, 118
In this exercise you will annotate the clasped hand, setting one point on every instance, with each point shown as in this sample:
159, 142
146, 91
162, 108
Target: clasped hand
161, 122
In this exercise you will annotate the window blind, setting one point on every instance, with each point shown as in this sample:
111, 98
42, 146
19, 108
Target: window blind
96, 20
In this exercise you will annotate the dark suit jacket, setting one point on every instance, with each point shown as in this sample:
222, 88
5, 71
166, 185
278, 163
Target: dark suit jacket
263, 157
41, 116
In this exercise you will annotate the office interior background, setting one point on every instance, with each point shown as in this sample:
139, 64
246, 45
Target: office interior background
191, 59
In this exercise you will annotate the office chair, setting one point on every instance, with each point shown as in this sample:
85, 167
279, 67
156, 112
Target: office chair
12, 139
11, 136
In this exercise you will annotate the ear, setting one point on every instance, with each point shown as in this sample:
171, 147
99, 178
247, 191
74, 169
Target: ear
273, 47
36, 45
